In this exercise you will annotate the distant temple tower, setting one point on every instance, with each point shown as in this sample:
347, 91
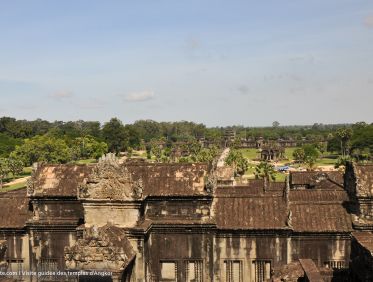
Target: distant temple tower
229, 137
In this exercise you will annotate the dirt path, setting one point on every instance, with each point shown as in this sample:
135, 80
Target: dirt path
223, 156
16, 181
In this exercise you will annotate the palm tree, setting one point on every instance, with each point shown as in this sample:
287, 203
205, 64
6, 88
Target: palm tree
344, 134
265, 171
237, 161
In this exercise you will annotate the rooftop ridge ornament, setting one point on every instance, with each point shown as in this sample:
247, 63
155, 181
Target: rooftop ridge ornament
289, 219
110, 180
31, 181
211, 183
30, 186
109, 158
211, 180
287, 190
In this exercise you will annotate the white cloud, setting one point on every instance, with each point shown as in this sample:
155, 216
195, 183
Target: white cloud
368, 21
61, 95
139, 96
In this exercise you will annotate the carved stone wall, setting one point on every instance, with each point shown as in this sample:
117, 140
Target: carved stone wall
104, 248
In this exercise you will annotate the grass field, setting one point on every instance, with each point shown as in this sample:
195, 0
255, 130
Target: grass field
326, 161
250, 154
27, 171
86, 161
141, 154
280, 177
250, 171
289, 153
14, 187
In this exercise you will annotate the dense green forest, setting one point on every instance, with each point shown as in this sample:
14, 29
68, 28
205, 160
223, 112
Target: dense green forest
41, 140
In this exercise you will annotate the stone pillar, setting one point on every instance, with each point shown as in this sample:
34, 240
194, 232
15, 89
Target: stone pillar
288, 250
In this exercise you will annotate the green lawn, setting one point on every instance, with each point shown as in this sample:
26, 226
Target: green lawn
326, 161
14, 187
141, 154
250, 171
250, 154
27, 170
280, 177
86, 161
289, 153
320, 162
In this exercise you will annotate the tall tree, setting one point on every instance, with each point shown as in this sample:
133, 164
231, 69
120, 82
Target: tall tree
4, 170
362, 140
42, 149
156, 148
299, 155
115, 135
308, 154
208, 154
7, 144
344, 135
87, 147
238, 161
15, 166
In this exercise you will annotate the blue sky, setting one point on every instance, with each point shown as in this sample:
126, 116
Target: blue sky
216, 62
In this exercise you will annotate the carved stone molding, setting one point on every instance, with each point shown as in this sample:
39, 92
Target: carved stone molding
106, 247
110, 180
30, 186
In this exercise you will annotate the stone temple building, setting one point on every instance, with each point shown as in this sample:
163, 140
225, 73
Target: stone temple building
142, 221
